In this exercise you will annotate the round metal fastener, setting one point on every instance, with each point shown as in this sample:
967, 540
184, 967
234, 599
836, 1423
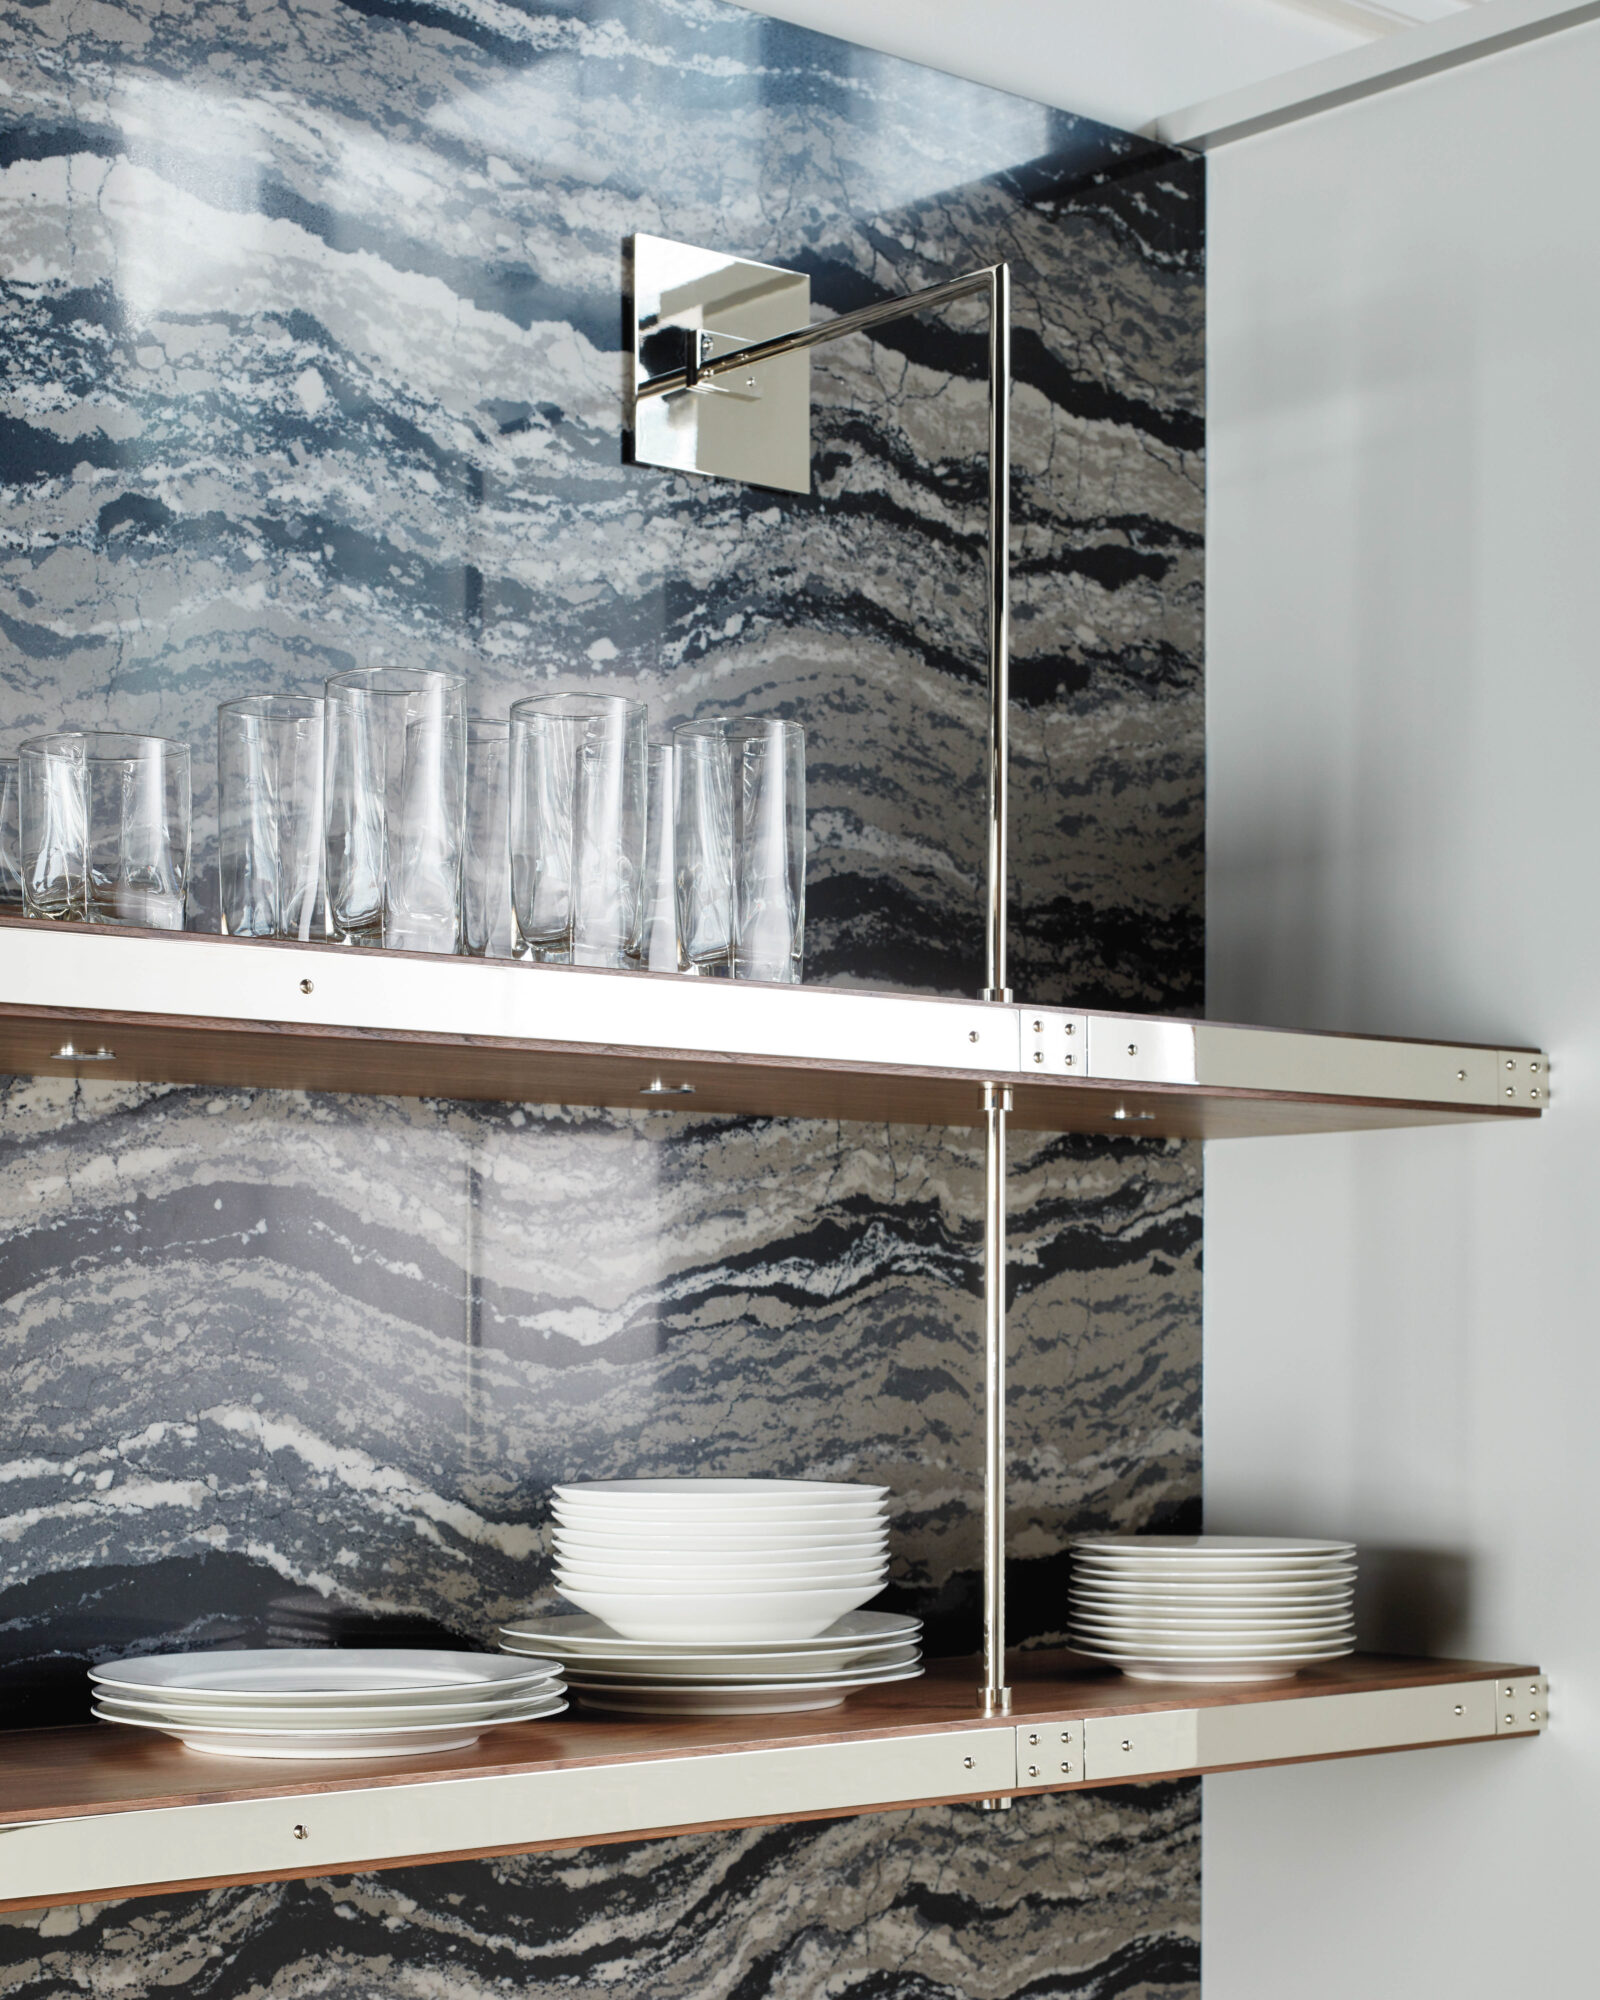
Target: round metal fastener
1509, 1091
306, 986
302, 1833
1461, 1076
1133, 1048
1033, 1770
1038, 1027
1038, 1056
1460, 1710
973, 1036
968, 1762
1126, 1743
1065, 1770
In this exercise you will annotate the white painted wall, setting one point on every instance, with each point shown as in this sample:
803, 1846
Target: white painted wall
1404, 829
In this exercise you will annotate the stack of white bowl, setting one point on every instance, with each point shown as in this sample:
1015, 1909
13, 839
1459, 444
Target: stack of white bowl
721, 1595
315, 1702
1211, 1607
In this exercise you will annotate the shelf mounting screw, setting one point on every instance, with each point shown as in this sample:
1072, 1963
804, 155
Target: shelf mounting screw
302, 1833
1038, 1056
1133, 1048
973, 1036
1066, 1770
1461, 1076
968, 1762
1509, 1091
1460, 1709
306, 986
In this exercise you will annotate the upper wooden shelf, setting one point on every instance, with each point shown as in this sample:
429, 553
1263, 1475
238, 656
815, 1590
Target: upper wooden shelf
100, 1810
173, 1007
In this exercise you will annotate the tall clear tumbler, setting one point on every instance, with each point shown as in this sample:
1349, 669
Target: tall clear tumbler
577, 827
486, 889
703, 833
104, 828
269, 814
769, 848
396, 769
658, 917
10, 841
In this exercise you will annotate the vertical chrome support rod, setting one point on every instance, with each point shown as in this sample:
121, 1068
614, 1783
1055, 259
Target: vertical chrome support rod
999, 622
995, 1696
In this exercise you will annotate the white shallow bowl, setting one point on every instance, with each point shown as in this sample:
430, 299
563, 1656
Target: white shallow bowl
803, 1547
745, 1493
218, 1740
1200, 1614
317, 1676
577, 1636
738, 1569
721, 1519
789, 1661
677, 1549
1139, 1548
791, 1614
638, 1580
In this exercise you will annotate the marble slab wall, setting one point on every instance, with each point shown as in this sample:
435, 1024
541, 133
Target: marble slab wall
310, 357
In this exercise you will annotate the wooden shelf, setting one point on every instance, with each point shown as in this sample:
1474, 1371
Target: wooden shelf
164, 1007
99, 1811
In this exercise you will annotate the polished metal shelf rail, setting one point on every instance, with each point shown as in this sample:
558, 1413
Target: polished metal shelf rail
102, 1811
178, 1007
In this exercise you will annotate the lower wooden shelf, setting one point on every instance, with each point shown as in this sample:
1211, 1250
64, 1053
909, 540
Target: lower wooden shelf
99, 1811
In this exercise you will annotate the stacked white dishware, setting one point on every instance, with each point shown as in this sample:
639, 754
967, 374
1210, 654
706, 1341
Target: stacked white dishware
721, 1596
315, 1702
1211, 1607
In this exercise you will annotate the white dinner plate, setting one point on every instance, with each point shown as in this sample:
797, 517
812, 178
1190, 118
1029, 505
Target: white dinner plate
787, 1614
1137, 1548
1335, 1628
629, 1673
576, 1636
388, 1715
1212, 1671
1208, 1614
1141, 1638
319, 1676
1217, 1573
783, 1699
218, 1740
784, 1661
1101, 1649
1213, 1593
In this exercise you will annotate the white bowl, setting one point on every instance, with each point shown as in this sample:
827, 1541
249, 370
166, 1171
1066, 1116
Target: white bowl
717, 1521
639, 1581
576, 1636
745, 1493
793, 1544
789, 1614
718, 1574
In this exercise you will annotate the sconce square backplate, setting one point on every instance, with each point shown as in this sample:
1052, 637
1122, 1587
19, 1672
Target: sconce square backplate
754, 427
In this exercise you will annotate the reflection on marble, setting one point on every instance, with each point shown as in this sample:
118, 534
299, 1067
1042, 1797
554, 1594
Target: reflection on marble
311, 1364
310, 357
1075, 1898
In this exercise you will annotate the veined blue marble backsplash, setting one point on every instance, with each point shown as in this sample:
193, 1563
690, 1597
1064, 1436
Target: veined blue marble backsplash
310, 357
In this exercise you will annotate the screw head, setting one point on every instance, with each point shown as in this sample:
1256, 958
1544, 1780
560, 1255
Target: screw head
306, 986
973, 1036
1510, 1719
302, 1833
1133, 1048
1509, 1091
1127, 1743
1038, 1027
1068, 1061
1510, 1064
1034, 1737
1033, 1770
1460, 1710
1533, 1093
1533, 1715
1065, 1769
1461, 1076
968, 1762
1038, 1056
1072, 1027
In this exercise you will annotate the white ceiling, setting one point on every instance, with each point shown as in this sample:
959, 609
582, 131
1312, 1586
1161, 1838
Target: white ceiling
1128, 62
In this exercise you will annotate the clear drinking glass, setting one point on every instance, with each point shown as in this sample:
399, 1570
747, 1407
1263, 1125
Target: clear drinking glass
10, 841
486, 887
269, 814
703, 836
577, 827
658, 921
396, 771
769, 847
104, 823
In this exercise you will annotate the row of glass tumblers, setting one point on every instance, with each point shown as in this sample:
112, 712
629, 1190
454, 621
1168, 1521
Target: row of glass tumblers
560, 834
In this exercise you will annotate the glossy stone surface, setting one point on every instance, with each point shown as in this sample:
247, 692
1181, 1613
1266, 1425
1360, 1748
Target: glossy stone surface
309, 357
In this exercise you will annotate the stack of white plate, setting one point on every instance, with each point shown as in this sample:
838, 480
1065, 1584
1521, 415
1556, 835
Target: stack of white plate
294, 1701
1211, 1607
720, 1559
723, 1676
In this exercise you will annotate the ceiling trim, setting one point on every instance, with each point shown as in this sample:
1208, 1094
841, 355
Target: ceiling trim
1380, 65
